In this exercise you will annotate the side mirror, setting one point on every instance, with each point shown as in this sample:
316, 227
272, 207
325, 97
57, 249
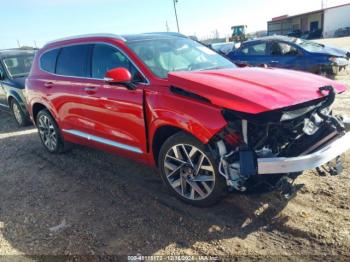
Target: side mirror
120, 76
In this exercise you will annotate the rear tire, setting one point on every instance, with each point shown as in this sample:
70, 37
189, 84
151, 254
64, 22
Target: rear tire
189, 171
49, 133
18, 114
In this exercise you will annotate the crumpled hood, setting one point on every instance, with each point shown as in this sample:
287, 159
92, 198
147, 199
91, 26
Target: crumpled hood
333, 51
253, 90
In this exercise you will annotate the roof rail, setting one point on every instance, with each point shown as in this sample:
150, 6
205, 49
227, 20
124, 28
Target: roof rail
87, 35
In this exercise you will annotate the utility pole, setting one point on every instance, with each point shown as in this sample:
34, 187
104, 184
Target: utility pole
177, 21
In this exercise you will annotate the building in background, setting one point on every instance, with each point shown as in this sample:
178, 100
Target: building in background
325, 21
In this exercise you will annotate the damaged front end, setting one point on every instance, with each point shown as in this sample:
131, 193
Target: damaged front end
284, 141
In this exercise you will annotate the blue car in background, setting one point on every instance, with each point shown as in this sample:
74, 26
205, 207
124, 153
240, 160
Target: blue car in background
291, 53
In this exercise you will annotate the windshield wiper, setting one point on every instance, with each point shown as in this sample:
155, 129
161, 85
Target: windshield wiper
212, 68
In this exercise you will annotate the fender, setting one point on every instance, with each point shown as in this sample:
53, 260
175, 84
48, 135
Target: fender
202, 120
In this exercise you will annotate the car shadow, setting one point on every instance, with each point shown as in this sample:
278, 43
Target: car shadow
8, 124
88, 202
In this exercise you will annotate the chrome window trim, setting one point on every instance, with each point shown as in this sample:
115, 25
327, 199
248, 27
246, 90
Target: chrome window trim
147, 82
102, 140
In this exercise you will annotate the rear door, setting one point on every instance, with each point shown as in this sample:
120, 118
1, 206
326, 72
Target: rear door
113, 114
3, 100
66, 87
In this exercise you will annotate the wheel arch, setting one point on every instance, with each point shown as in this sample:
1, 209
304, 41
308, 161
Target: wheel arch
37, 107
199, 120
161, 134
16, 97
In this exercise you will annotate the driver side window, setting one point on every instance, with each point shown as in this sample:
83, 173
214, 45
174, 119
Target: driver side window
283, 49
105, 58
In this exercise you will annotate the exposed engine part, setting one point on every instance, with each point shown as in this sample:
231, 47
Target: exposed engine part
264, 152
319, 143
286, 188
282, 142
221, 147
333, 168
346, 122
312, 124
310, 127
247, 163
231, 172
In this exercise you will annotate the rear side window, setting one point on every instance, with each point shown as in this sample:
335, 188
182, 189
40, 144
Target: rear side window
283, 49
74, 61
48, 60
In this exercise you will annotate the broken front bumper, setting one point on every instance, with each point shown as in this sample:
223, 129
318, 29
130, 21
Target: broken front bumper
318, 158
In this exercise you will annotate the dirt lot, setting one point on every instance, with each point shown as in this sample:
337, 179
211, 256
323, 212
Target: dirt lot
90, 202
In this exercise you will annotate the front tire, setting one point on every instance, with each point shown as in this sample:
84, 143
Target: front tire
49, 133
190, 171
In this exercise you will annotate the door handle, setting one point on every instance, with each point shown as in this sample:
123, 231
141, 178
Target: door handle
90, 90
48, 84
274, 61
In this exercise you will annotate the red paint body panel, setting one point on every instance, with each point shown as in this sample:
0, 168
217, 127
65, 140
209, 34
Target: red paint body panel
132, 117
202, 120
253, 90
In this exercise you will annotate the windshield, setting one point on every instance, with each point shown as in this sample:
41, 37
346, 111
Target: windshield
177, 54
18, 66
309, 45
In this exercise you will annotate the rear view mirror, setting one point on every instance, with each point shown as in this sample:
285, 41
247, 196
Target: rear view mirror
121, 76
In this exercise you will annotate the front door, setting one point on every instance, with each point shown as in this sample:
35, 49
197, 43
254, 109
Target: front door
3, 100
114, 114
285, 55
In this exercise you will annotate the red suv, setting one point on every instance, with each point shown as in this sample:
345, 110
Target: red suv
169, 101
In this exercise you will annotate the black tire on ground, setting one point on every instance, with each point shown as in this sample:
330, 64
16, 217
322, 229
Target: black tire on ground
18, 114
218, 187
48, 129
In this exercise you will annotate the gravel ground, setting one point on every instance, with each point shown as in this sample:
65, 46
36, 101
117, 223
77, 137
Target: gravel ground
88, 202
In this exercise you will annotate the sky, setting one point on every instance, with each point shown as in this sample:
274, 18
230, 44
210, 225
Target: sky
35, 22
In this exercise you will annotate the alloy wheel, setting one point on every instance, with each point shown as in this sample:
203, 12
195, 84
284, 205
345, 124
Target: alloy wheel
189, 171
47, 132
